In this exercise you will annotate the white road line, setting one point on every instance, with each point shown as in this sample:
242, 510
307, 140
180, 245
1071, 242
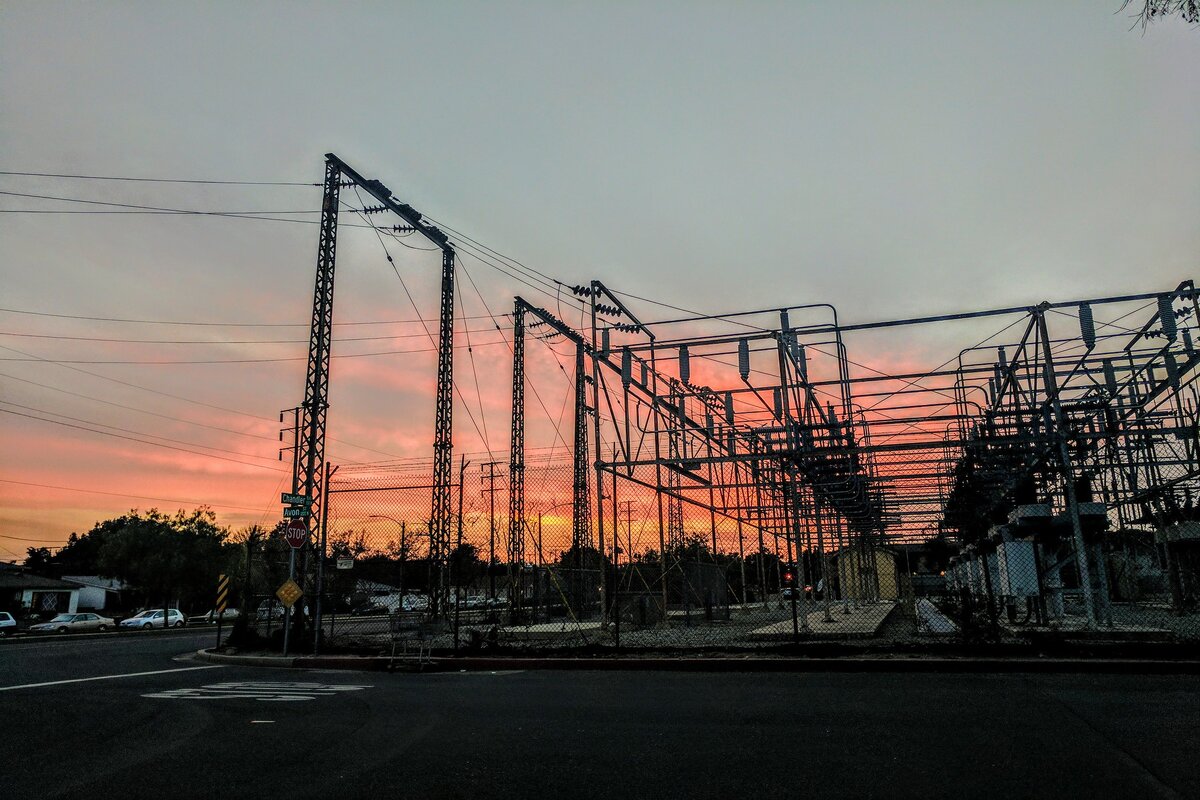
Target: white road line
107, 677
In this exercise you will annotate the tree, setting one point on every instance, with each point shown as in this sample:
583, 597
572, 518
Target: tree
37, 559
166, 557
1152, 10
465, 565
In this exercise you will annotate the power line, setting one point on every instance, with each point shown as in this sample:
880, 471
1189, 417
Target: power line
139, 410
155, 180
254, 215
215, 324
140, 441
184, 399
135, 432
222, 341
122, 494
176, 362
22, 539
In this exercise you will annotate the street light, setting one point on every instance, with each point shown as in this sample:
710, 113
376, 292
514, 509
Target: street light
403, 550
541, 558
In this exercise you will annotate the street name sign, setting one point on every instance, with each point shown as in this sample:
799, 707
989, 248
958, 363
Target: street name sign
295, 499
297, 512
345, 563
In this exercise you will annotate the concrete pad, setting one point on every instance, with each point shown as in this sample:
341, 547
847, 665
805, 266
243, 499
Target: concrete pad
553, 630
930, 620
861, 623
1077, 627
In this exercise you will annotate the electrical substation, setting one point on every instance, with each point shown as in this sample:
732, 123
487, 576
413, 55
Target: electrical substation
772, 476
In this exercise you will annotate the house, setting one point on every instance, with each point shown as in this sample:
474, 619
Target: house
21, 591
96, 593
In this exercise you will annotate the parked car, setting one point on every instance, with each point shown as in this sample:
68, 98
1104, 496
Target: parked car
150, 618
73, 623
228, 615
369, 609
268, 610
415, 602
8, 625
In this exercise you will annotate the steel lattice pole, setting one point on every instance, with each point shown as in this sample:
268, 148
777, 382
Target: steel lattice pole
443, 432
311, 457
516, 461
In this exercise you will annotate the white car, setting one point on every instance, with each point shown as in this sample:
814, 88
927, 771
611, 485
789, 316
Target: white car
8, 625
148, 619
69, 623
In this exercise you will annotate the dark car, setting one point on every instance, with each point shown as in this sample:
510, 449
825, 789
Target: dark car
368, 609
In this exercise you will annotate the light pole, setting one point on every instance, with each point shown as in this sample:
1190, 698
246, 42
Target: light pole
403, 550
541, 552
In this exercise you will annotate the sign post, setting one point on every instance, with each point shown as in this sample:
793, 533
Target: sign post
296, 535
222, 602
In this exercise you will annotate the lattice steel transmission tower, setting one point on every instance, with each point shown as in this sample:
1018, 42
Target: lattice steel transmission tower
675, 433
316, 391
581, 528
516, 460
440, 522
311, 438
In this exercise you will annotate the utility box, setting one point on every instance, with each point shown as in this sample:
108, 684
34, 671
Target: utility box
1017, 570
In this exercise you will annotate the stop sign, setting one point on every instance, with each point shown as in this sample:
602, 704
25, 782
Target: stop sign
296, 533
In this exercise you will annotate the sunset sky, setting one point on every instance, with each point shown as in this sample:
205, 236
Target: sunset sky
889, 158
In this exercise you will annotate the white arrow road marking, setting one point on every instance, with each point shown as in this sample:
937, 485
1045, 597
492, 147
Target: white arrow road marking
271, 692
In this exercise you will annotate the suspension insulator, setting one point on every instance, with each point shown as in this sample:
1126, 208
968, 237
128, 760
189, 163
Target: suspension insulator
1167, 317
604, 334
1087, 326
685, 364
744, 359
626, 367
708, 423
729, 408
1188, 347
645, 374
1172, 369
1110, 377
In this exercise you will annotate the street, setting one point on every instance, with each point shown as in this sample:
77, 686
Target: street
156, 724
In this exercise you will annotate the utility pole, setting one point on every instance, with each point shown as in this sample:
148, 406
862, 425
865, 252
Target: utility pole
489, 475
516, 466
295, 448
627, 509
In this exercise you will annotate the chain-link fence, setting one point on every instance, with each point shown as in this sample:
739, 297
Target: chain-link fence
727, 566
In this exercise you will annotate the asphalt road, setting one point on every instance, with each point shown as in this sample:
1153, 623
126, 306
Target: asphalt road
171, 727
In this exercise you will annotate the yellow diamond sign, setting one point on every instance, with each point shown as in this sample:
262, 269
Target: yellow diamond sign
288, 593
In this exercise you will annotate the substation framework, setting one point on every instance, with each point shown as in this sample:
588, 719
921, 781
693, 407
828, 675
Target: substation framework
1083, 411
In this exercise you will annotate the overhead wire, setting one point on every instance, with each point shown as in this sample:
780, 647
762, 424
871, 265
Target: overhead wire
189, 323
181, 397
155, 180
135, 432
140, 441
122, 494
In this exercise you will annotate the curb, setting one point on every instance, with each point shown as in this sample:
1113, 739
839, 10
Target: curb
878, 665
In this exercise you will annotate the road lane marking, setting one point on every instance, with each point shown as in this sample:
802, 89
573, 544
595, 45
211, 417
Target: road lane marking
107, 677
265, 691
